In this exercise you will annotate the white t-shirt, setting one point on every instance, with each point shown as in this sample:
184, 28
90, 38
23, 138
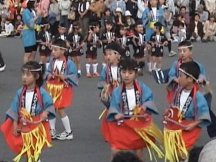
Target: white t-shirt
154, 10
58, 64
131, 99
114, 71
183, 98
28, 100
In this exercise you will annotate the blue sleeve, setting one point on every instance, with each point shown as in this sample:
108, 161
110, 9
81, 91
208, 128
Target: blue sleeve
102, 79
71, 73
114, 104
172, 72
202, 75
48, 103
147, 99
28, 19
14, 107
202, 110
145, 17
49, 69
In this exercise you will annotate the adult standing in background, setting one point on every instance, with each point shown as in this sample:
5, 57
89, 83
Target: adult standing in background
54, 17
114, 4
28, 33
141, 4
83, 10
64, 7
211, 6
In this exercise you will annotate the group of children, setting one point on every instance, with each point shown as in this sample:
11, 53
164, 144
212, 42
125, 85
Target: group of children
31, 119
127, 122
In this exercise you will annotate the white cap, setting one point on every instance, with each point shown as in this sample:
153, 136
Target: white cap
128, 13
118, 9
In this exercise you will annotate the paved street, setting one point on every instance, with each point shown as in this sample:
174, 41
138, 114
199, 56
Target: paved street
88, 145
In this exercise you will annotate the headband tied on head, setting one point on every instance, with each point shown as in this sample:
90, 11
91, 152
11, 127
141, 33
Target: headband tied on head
56, 46
186, 73
182, 47
33, 70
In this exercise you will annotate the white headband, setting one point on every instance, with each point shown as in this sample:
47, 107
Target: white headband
186, 73
182, 47
59, 47
33, 70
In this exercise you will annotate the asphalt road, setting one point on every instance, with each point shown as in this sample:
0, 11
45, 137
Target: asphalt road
88, 145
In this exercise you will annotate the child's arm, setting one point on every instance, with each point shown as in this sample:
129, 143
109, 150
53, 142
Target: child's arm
147, 99
192, 125
71, 74
102, 79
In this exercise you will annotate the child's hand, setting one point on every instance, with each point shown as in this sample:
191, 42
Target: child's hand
61, 76
49, 77
119, 116
44, 116
191, 126
15, 129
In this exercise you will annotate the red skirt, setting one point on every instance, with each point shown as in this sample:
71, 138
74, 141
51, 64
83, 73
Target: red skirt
62, 97
15, 143
190, 137
124, 137
105, 127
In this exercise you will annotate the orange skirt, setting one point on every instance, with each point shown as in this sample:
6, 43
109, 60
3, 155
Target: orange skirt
62, 95
124, 137
105, 127
15, 143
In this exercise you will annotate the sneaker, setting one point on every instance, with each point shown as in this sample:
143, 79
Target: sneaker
2, 67
172, 53
65, 136
96, 75
53, 134
88, 75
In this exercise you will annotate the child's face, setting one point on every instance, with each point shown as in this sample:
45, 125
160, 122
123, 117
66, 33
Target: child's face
61, 30
97, 29
128, 76
28, 78
108, 27
123, 31
185, 53
184, 80
153, 3
57, 52
196, 18
112, 57
139, 28
107, 13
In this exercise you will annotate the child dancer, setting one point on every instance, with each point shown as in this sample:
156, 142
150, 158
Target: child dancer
26, 124
158, 40
76, 43
130, 114
139, 46
108, 80
61, 76
108, 36
124, 40
93, 43
44, 42
188, 113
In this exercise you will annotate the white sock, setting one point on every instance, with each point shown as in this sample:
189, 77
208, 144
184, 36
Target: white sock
79, 71
103, 65
149, 67
88, 68
95, 68
66, 124
52, 123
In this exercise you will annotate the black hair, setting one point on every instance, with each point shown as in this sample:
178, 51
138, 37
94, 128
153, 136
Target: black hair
128, 64
181, 24
33, 65
30, 5
185, 43
158, 25
60, 43
150, 7
183, 7
126, 156
191, 68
